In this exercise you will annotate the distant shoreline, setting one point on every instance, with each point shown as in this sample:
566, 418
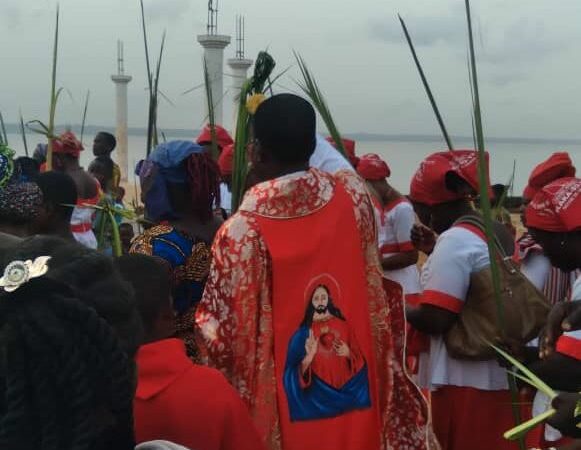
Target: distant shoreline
467, 141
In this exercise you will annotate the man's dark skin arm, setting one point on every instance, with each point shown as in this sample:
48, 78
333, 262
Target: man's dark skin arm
430, 319
561, 372
400, 260
564, 420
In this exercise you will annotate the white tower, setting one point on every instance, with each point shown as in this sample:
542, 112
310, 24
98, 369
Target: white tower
214, 45
239, 65
121, 81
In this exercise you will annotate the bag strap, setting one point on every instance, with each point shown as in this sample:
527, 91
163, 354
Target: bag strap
478, 223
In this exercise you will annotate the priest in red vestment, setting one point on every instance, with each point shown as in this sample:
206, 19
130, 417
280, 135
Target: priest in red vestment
295, 313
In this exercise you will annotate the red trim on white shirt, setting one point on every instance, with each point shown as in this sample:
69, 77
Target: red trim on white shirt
81, 227
477, 231
397, 248
442, 300
569, 346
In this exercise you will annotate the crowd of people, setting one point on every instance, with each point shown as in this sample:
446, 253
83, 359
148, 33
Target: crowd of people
326, 311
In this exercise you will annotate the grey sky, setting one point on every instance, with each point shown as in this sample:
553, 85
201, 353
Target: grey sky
528, 54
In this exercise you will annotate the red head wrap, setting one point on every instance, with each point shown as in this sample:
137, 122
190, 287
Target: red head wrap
222, 136
349, 147
559, 165
371, 167
67, 144
556, 207
226, 160
429, 182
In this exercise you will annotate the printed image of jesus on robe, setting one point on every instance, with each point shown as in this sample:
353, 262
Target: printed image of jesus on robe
325, 372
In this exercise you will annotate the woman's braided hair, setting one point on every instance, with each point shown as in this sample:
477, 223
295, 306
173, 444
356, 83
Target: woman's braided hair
66, 346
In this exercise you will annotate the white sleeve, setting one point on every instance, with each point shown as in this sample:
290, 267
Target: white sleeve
404, 220
328, 159
536, 267
446, 275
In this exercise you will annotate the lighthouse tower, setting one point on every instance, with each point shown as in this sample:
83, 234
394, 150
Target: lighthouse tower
214, 45
239, 65
121, 81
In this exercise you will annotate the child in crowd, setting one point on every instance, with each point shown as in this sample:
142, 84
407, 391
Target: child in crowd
177, 400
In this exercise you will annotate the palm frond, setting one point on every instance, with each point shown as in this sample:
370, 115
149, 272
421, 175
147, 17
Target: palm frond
240, 165
486, 208
23, 134
3, 135
84, 119
54, 94
211, 111
311, 89
426, 85
524, 374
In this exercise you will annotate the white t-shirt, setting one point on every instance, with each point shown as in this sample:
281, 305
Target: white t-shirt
445, 280
328, 159
394, 236
225, 198
537, 268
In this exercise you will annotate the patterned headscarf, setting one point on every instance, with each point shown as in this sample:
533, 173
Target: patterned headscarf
20, 202
163, 166
6, 165
559, 165
372, 168
428, 185
556, 207
67, 144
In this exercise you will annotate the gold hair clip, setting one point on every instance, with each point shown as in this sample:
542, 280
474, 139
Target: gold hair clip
18, 273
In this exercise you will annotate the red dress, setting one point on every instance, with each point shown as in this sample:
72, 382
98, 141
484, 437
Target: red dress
190, 405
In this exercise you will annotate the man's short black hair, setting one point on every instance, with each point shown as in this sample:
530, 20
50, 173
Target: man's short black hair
59, 191
151, 281
109, 139
285, 125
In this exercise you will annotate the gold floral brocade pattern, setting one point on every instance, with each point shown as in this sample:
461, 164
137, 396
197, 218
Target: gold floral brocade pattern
235, 316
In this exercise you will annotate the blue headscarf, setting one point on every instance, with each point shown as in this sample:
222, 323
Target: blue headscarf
164, 165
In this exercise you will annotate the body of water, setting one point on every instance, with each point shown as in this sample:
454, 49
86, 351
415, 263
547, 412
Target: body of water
402, 157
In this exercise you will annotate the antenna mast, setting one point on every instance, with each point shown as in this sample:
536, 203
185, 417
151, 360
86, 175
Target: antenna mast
240, 37
212, 26
120, 61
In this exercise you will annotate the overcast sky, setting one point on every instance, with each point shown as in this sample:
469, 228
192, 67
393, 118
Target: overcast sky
528, 50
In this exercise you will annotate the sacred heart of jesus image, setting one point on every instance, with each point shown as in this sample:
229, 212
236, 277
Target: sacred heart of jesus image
325, 372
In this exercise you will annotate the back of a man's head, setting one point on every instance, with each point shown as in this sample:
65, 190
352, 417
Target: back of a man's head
285, 126
59, 193
151, 281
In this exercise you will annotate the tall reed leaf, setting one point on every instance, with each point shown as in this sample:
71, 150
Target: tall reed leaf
426, 85
3, 135
84, 119
486, 209
311, 89
54, 94
211, 113
153, 84
23, 134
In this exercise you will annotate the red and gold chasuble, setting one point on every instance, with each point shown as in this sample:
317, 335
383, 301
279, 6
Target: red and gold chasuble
322, 250
298, 318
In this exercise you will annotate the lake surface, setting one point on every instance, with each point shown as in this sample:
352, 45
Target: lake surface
402, 157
